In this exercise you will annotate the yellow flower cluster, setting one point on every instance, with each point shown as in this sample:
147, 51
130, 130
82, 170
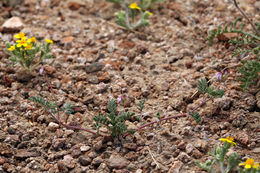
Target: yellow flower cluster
134, 6
25, 43
228, 140
250, 163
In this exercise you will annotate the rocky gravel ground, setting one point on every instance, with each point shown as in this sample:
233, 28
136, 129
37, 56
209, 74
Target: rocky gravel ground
95, 60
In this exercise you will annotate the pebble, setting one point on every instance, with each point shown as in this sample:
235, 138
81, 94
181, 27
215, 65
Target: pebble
94, 67
117, 162
69, 161
176, 167
184, 157
97, 161
84, 148
13, 24
23, 154
93, 79
53, 126
84, 160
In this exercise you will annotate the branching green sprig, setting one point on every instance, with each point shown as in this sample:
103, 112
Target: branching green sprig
54, 111
26, 51
113, 121
128, 17
245, 43
225, 163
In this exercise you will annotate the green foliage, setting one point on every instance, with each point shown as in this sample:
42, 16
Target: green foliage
113, 121
141, 105
127, 19
203, 89
226, 163
52, 107
196, 116
249, 71
244, 43
29, 54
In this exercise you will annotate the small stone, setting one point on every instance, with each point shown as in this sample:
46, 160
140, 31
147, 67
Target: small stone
69, 161
104, 77
94, 67
184, 157
49, 70
138, 171
84, 148
23, 154
62, 167
53, 126
256, 150
93, 79
189, 148
201, 145
98, 145
2, 160
130, 146
97, 161
196, 154
176, 167
13, 24
74, 5
243, 138
117, 162
85, 160
67, 42
58, 143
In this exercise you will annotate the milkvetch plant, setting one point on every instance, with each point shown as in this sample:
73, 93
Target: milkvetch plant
144, 4
245, 43
28, 52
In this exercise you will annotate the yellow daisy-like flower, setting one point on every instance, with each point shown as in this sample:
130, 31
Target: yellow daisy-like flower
48, 41
31, 40
19, 35
22, 42
134, 6
228, 140
28, 47
12, 48
250, 163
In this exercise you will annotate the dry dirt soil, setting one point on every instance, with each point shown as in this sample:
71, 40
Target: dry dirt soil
95, 61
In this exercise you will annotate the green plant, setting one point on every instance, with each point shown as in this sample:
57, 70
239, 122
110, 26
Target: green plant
144, 4
225, 163
127, 18
26, 51
113, 121
54, 110
245, 43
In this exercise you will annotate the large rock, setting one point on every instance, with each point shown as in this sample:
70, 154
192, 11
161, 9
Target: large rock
13, 24
117, 162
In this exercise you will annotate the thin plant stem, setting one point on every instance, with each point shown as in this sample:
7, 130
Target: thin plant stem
242, 12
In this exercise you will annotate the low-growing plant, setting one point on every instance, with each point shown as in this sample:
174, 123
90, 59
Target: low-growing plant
128, 17
227, 163
245, 43
28, 52
144, 4
113, 120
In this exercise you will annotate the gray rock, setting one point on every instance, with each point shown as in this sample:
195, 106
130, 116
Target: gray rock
84, 160
13, 24
97, 66
117, 162
176, 167
93, 79
184, 157
97, 161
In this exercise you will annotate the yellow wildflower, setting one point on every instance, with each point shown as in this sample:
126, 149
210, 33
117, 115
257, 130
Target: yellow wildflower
20, 35
250, 163
28, 47
12, 48
31, 40
48, 41
149, 13
134, 6
228, 140
22, 42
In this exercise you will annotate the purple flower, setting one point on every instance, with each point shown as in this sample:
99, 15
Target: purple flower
41, 70
219, 75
